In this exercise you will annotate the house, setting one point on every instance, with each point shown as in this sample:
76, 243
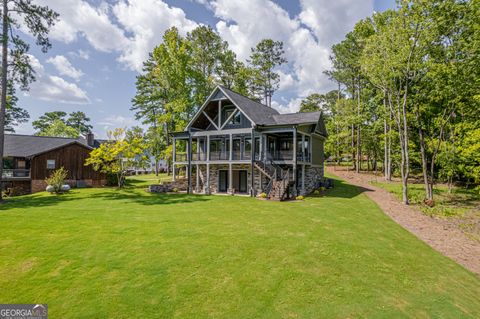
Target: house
236, 145
29, 159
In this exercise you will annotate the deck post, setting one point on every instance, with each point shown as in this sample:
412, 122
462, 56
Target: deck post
230, 179
303, 150
197, 180
189, 167
303, 179
252, 170
230, 155
295, 160
207, 189
174, 150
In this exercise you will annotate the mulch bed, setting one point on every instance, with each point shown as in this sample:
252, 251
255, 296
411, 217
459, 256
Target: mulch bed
437, 233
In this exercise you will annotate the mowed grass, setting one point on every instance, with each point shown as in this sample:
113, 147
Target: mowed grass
107, 253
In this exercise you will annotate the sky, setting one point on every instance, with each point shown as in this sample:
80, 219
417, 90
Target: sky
98, 48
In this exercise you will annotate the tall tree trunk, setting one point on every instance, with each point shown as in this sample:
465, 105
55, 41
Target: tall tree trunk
359, 149
155, 146
401, 120
354, 159
387, 162
426, 180
3, 101
406, 164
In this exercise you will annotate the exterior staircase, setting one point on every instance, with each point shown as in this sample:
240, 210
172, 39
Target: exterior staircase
279, 185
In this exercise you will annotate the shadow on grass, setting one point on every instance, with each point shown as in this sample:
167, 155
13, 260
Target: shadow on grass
342, 189
112, 195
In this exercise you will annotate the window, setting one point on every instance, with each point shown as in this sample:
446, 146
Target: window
248, 145
51, 164
21, 164
235, 120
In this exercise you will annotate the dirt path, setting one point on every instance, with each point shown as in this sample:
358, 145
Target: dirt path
450, 242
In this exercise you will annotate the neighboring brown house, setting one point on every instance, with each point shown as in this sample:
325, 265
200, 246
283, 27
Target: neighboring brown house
29, 159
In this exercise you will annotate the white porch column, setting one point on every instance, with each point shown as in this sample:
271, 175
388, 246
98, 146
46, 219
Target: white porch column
295, 160
174, 149
303, 179
197, 181
230, 178
207, 190
208, 148
303, 148
173, 172
230, 155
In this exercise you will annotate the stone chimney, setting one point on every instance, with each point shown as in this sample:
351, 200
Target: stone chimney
90, 139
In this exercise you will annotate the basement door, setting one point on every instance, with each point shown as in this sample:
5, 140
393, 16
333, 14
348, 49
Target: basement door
239, 180
222, 181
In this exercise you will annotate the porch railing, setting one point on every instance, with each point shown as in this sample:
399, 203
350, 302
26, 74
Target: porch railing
286, 155
199, 157
219, 156
181, 157
16, 173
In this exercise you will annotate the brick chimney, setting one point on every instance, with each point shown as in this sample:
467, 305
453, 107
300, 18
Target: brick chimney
90, 139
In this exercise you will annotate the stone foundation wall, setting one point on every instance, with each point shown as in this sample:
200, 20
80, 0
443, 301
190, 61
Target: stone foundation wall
17, 188
313, 176
214, 176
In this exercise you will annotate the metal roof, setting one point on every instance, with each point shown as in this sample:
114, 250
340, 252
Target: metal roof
16, 145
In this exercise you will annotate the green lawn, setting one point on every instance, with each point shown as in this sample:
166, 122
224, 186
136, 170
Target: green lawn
105, 253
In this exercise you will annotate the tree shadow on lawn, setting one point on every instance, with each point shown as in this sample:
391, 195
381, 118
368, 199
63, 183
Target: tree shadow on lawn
342, 189
121, 196
151, 198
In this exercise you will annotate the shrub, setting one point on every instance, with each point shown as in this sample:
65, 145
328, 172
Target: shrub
316, 192
175, 190
57, 180
299, 197
322, 188
263, 195
112, 179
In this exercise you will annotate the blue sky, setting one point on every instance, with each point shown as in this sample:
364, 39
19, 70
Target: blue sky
99, 46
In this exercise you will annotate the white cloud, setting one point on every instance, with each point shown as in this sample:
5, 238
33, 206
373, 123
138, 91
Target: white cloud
291, 106
331, 20
53, 88
130, 27
286, 81
82, 54
147, 20
307, 38
64, 67
93, 23
116, 121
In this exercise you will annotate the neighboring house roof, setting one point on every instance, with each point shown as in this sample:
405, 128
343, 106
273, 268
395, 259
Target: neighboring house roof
16, 145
